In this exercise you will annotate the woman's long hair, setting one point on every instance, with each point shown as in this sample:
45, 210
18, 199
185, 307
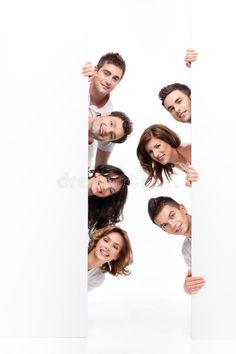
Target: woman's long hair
155, 169
109, 210
125, 258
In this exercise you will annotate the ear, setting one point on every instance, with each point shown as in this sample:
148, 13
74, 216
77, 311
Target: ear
97, 174
182, 207
95, 69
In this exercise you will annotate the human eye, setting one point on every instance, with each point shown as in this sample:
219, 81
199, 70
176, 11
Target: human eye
115, 79
105, 239
157, 146
172, 215
106, 72
163, 226
116, 247
179, 100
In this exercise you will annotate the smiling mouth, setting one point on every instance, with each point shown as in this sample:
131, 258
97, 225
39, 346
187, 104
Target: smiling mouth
179, 229
99, 188
105, 87
161, 158
182, 114
104, 253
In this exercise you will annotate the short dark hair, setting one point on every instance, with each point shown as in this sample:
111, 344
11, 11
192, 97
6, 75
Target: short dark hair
127, 126
112, 58
155, 205
165, 91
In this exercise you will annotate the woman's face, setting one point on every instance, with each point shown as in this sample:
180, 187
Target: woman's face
159, 151
104, 186
108, 247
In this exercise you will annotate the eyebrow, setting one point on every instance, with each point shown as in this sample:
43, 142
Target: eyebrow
110, 73
115, 243
168, 108
161, 225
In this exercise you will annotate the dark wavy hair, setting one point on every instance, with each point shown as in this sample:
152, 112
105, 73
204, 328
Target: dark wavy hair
155, 169
125, 258
109, 210
112, 58
165, 91
155, 205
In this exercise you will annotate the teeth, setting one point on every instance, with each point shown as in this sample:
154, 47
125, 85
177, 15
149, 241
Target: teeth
104, 253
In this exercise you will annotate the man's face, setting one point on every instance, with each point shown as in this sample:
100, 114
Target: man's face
107, 128
173, 220
106, 78
179, 106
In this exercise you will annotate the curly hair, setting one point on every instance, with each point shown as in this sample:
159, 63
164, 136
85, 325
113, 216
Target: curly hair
109, 210
112, 58
125, 258
155, 169
165, 91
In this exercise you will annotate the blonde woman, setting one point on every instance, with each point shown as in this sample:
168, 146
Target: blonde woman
109, 251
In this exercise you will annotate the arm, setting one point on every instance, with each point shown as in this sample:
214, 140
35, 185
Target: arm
102, 157
193, 284
191, 176
190, 57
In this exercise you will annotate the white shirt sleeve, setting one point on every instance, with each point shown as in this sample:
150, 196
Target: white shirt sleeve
187, 251
95, 278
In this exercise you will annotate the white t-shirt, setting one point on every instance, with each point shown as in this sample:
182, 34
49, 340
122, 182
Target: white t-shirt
187, 251
95, 278
93, 111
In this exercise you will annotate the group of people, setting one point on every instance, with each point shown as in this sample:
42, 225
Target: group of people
159, 152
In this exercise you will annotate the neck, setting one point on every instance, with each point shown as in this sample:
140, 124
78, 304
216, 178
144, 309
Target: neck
188, 233
97, 99
92, 261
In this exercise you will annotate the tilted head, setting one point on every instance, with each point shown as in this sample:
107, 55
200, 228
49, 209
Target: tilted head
107, 195
176, 98
114, 59
154, 151
113, 127
108, 73
111, 244
170, 216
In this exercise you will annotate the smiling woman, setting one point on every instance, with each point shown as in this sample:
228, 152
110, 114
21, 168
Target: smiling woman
159, 151
107, 191
109, 251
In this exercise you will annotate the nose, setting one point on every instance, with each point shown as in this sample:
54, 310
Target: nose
177, 108
172, 224
155, 153
109, 80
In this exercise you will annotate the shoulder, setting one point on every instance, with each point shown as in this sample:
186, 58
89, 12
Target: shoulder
95, 278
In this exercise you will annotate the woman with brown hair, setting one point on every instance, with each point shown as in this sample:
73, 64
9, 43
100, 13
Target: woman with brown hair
109, 251
159, 151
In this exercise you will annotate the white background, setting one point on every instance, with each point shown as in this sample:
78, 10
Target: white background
42, 257
147, 311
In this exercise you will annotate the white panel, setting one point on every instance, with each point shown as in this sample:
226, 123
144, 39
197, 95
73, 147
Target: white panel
214, 146
43, 144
